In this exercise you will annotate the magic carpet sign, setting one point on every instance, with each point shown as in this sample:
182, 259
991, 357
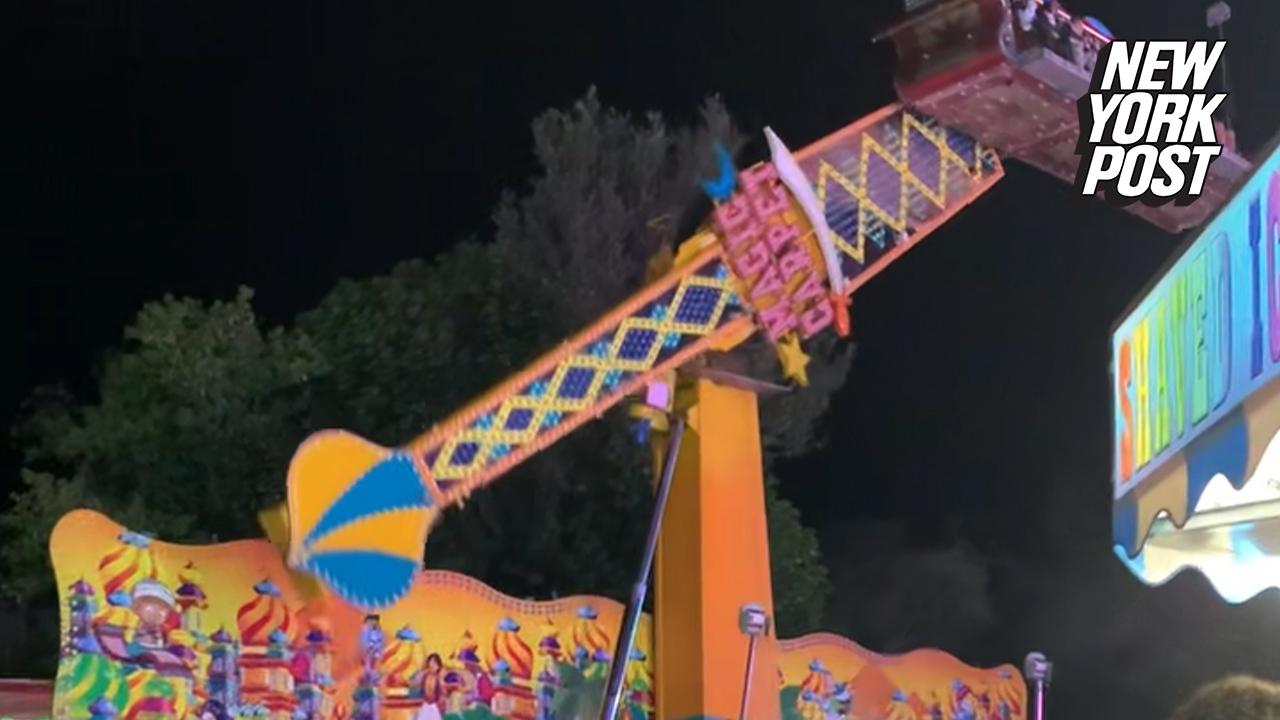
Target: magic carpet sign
772, 250
1204, 337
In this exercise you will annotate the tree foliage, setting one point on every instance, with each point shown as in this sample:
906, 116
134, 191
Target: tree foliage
196, 418
36, 509
800, 582
197, 414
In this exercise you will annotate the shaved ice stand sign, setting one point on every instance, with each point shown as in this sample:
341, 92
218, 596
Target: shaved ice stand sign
1196, 404
1203, 338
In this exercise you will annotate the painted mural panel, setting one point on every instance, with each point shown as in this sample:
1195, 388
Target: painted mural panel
825, 677
152, 630
155, 630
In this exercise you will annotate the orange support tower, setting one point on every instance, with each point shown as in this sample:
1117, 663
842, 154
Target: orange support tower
712, 570
713, 563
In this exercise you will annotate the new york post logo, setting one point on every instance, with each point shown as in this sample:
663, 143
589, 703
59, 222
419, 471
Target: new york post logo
1146, 126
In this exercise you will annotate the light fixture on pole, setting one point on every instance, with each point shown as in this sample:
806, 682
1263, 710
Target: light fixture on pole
1039, 672
1216, 18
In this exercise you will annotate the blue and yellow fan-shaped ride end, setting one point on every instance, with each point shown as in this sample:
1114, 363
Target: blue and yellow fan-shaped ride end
358, 518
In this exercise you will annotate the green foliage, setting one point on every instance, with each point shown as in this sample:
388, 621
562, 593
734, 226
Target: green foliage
611, 192
1233, 698
790, 703
579, 696
196, 418
476, 713
800, 583
192, 430
26, 526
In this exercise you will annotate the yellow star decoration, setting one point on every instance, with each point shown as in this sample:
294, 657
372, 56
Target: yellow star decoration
793, 359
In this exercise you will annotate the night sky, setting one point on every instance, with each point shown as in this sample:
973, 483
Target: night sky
194, 147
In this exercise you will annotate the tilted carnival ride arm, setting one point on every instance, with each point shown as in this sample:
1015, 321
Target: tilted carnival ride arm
790, 240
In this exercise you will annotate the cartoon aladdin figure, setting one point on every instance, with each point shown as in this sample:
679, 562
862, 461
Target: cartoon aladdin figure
432, 689
153, 604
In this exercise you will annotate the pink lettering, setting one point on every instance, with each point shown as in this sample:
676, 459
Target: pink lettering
753, 177
778, 321
779, 234
751, 262
798, 260
816, 319
771, 201
770, 283
810, 289
735, 219
743, 234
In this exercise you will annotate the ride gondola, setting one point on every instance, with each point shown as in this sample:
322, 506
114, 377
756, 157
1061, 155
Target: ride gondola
1009, 72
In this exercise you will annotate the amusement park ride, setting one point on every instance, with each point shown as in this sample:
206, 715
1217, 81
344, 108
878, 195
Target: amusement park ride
789, 242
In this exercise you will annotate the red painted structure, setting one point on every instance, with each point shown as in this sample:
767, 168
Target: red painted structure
971, 64
26, 699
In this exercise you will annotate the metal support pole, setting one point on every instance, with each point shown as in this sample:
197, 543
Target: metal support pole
639, 591
755, 623
1216, 17
1039, 672
750, 677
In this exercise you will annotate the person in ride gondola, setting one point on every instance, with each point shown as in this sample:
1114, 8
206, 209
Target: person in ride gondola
1024, 11
1226, 135
1062, 31
1092, 45
1076, 40
1046, 25
1027, 14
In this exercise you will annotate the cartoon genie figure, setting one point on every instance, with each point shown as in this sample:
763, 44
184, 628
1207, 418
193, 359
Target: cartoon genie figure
372, 643
153, 603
